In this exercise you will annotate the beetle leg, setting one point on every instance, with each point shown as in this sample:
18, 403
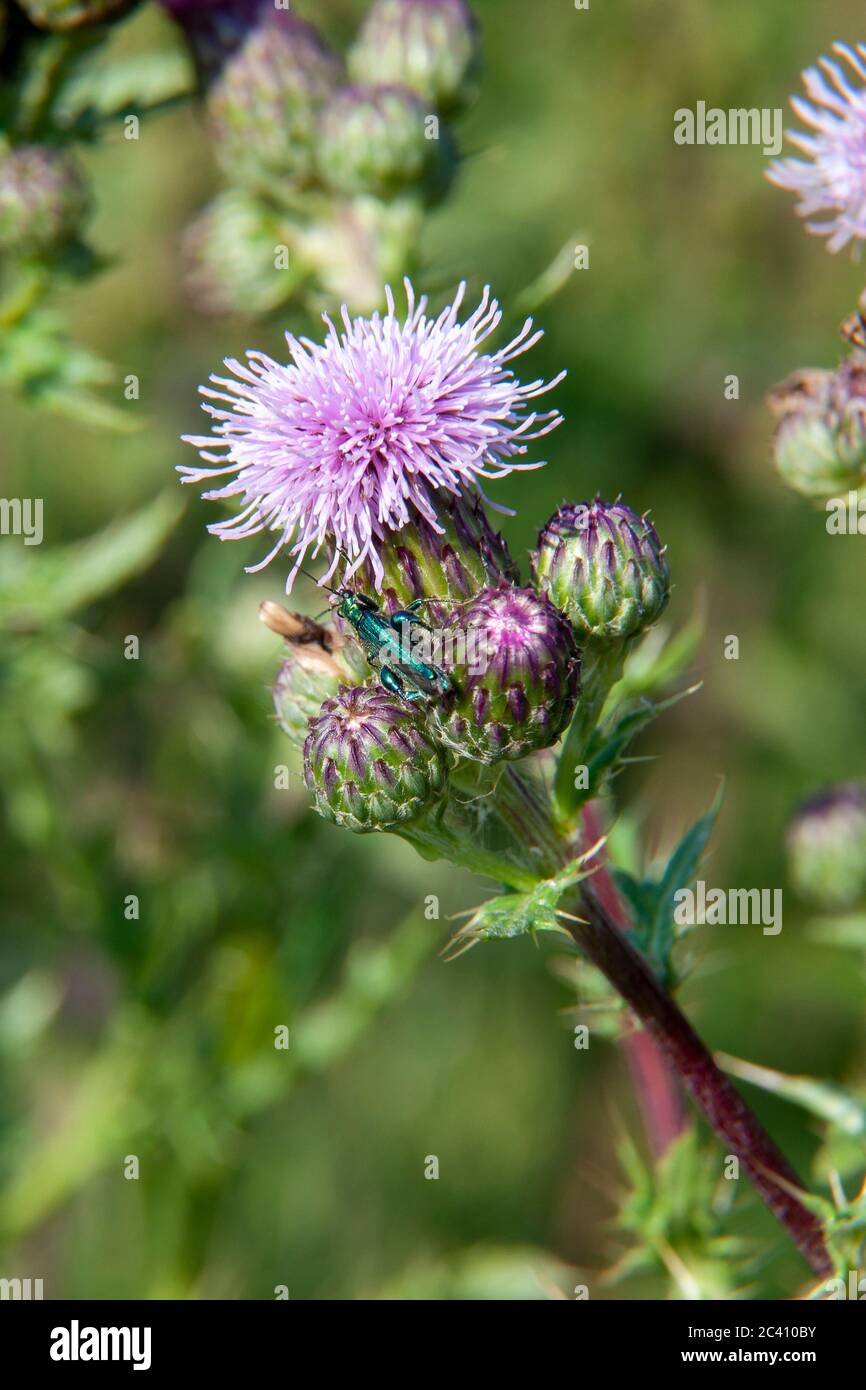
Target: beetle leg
409, 617
392, 682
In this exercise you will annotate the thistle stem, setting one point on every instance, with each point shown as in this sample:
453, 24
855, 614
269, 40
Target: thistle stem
599, 939
601, 668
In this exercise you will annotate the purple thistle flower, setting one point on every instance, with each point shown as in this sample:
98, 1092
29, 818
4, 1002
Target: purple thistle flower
833, 179
352, 439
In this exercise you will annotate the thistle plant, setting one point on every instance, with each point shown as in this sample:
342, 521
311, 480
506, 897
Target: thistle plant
819, 446
341, 154
496, 745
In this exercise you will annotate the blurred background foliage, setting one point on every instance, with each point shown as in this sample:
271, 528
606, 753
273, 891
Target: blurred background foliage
155, 777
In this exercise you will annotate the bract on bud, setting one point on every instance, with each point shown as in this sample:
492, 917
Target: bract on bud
371, 761
605, 567
515, 672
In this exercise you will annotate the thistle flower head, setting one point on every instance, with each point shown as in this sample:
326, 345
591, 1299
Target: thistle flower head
371, 761
605, 567
515, 678
445, 565
372, 139
826, 843
831, 182
428, 45
820, 441
43, 198
345, 444
265, 74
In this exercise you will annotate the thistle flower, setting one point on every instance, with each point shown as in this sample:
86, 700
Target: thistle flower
820, 441
72, 14
371, 761
832, 181
229, 252
42, 198
826, 844
374, 140
516, 677
353, 439
605, 567
265, 93
428, 45
445, 564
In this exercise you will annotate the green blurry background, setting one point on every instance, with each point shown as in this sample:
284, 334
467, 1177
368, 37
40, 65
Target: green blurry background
154, 1037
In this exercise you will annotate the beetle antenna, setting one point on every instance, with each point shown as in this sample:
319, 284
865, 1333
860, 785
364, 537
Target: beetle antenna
316, 582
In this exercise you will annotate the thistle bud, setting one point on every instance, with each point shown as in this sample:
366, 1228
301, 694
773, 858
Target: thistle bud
604, 566
73, 14
820, 441
265, 96
304, 682
446, 566
428, 45
42, 198
231, 252
515, 673
371, 761
826, 844
374, 140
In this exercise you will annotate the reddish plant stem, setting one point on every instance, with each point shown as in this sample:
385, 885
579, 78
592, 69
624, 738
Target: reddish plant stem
657, 1092
600, 940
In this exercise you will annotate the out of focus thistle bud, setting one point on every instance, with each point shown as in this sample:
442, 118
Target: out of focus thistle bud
265, 95
446, 566
371, 761
820, 441
374, 140
515, 672
43, 198
73, 14
826, 844
428, 45
241, 256
312, 672
605, 567
354, 246
305, 680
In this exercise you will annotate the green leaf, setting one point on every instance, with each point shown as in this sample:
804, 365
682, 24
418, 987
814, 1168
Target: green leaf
51, 371
652, 900
38, 588
124, 86
520, 913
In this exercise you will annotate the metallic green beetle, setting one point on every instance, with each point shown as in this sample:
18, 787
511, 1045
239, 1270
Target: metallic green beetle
386, 641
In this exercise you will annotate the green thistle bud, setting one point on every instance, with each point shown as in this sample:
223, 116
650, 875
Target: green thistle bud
826, 844
304, 682
73, 14
447, 567
231, 252
374, 140
265, 98
820, 441
604, 566
371, 762
428, 45
515, 671
43, 198
355, 246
